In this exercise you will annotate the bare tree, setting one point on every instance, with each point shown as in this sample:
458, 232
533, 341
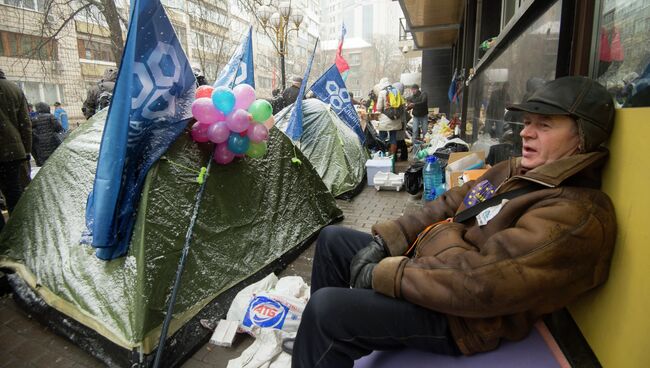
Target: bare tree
53, 18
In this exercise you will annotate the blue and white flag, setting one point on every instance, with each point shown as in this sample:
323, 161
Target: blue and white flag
294, 128
239, 69
331, 89
157, 79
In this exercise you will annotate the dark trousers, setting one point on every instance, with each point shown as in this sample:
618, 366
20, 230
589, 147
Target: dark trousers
11, 184
340, 325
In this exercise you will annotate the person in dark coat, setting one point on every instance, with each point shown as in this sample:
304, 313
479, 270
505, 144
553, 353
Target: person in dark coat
44, 133
419, 106
290, 94
454, 282
105, 85
15, 142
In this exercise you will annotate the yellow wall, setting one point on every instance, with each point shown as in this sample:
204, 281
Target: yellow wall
615, 319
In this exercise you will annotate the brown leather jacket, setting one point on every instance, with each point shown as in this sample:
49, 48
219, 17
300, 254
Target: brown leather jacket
540, 251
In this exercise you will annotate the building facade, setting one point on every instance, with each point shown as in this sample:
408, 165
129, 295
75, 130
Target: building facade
64, 68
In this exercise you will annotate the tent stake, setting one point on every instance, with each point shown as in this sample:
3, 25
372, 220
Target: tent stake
181, 267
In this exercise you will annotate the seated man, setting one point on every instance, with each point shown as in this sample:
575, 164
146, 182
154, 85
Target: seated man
472, 268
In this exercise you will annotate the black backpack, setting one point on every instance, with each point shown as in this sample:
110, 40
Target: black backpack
413, 178
104, 96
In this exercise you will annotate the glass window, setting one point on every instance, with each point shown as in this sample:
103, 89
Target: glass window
32, 92
42, 92
50, 93
93, 50
526, 63
24, 46
26, 4
355, 59
622, 55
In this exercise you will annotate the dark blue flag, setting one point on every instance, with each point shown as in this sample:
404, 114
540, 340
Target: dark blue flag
149, 109
239, 69
331, 89
294, 128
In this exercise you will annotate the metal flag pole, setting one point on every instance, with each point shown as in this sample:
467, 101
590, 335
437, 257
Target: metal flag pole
186, 249
181, 267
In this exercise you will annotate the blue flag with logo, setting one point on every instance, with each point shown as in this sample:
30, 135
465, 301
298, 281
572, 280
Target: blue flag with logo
239, 69
152, 99
294, 128
331, 89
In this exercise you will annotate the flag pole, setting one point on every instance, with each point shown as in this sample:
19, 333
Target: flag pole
181, 266
186, 248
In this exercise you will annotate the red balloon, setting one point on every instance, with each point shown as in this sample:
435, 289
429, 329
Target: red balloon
204, 91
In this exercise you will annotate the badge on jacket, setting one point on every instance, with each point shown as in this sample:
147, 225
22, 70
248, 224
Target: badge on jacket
488, 214
479, 193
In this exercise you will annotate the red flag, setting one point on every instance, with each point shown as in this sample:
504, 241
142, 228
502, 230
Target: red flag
340, 62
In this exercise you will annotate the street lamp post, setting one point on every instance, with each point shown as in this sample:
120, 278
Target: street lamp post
279, 21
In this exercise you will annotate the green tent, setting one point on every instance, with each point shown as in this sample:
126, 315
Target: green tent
255, 216
331, 147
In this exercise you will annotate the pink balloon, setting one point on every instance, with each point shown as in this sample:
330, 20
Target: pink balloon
204, 111
258, 133
218, 132
222, 154
199, 132
244, 96
238, 120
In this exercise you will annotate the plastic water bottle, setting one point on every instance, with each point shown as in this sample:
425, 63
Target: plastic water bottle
432, 178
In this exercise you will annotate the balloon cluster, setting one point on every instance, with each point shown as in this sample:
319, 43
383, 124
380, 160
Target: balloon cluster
232, 119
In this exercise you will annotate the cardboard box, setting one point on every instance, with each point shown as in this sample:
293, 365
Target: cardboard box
470, 175
472, 160
376, 165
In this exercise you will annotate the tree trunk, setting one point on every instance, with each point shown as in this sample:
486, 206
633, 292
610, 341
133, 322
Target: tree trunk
111, 15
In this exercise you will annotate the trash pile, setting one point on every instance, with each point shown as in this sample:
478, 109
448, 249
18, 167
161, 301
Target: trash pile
270, 311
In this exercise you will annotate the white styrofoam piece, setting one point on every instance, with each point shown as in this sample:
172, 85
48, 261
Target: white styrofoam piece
388, 180
224, 334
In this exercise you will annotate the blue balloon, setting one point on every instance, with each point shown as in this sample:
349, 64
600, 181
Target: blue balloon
238, 144
223, 99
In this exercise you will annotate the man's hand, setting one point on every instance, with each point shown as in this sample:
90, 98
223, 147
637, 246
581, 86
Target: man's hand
364, 262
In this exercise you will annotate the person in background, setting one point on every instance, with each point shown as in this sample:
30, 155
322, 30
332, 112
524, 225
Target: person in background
199, 75
99, 96
371, 102
61, 116
419, 106
353, 100
30, 111
277, 102
388, 127
290, 94
402, 148
451, 280
15, 142
44, 133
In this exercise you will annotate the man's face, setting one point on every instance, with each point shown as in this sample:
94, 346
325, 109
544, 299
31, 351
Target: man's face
414, 91
547, 138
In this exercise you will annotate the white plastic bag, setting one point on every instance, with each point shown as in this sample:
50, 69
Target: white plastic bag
270, 303
269, 310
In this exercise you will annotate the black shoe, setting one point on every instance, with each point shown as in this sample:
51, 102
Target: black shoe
287, 345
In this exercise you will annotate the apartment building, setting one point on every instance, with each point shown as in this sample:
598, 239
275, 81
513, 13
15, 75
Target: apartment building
62, 68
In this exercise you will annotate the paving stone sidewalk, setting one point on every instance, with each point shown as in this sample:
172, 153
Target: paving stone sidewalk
26, 343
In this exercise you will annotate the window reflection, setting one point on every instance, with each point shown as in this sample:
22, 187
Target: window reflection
623, 54
526, 63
